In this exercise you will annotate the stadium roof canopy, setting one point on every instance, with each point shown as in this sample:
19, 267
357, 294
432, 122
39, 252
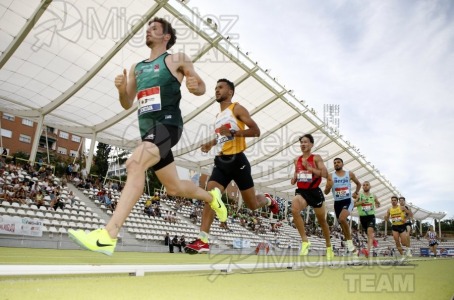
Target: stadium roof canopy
58, 61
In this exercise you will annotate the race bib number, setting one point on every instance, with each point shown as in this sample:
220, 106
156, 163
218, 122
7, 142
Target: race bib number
341, 192
304, 176
149, 100
396, 219
221, 139
367, 206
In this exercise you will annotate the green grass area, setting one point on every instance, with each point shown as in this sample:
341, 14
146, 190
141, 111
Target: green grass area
429, 279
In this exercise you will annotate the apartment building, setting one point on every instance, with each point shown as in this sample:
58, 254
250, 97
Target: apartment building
17, 135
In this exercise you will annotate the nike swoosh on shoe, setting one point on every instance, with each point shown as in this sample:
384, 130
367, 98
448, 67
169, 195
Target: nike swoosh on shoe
102, 245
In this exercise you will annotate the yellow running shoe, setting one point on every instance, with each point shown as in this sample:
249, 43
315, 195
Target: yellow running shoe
329, 253
305, 248
97, 240
217, 205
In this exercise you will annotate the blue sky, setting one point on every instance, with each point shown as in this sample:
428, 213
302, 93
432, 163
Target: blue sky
388, 64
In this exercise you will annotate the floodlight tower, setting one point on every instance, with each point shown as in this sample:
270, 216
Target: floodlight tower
331, 116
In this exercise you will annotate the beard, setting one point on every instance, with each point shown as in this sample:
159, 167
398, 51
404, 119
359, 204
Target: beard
220, 99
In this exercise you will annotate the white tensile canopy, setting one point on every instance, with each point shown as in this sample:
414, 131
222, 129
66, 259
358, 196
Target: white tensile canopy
58, 61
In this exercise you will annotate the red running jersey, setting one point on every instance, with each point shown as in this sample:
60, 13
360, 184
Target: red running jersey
304, 178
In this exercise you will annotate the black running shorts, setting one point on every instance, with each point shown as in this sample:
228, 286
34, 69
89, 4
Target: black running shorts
399, 228
234, 167
367, 221
164, 137
313, 197
339, 205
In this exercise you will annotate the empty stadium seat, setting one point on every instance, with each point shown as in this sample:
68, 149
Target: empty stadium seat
53, 229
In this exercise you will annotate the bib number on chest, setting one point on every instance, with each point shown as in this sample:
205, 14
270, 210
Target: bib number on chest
221, 139
341, 192
366, 207
396, 219
304, 176
149, 100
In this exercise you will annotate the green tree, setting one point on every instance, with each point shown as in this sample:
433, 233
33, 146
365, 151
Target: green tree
425, 227
153, 181
22, 155
101, 159
447, 225
123, 156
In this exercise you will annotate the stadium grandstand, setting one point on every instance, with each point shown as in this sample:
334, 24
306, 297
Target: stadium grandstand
57, 66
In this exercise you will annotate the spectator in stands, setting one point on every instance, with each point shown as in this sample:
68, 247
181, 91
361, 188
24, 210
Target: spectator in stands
52, 196
278, 225
8, 194
100, 195
42, 172
20, 196
26, 166
148, 202
114, 204
39, 199
168, 242
108, 201
173, 217
157, 212
148, 210
108, 186
182, 242
166, 216
193, 215
14, 182
224, 225
243, 221
71, 198
32, 188
261, 229
69, 170
40, 162
57, 203
84, 174
75, 170
273, 227
155, 198
176, 243
64, 181
178, 204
